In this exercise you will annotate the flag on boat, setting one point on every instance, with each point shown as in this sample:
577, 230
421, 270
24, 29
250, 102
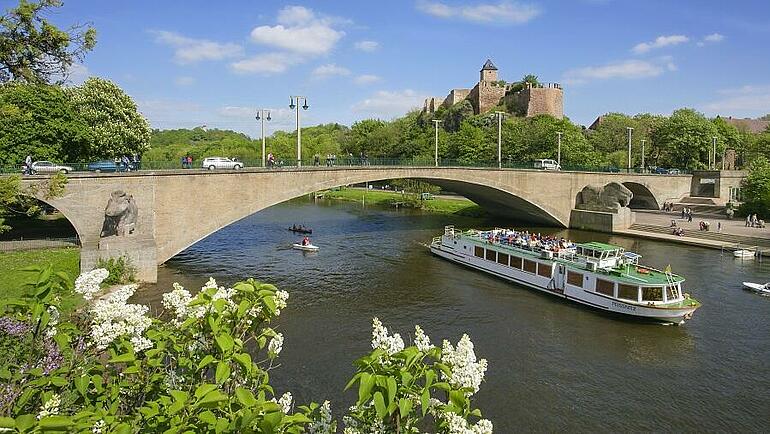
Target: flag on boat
668, 269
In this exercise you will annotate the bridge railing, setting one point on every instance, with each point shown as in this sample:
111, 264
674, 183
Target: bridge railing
337, 162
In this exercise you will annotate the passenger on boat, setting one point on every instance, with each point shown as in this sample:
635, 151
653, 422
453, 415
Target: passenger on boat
306, 241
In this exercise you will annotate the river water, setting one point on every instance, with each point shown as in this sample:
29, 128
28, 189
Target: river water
553, 365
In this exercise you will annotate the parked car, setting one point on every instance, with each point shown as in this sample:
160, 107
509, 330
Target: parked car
49, 167
674, 172
212, 163
613, 169
661, 170
546, 164
106, 166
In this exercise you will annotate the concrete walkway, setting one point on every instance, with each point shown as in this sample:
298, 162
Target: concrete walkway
736, 226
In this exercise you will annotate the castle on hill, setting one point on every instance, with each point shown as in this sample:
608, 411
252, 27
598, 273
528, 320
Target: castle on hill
531, 100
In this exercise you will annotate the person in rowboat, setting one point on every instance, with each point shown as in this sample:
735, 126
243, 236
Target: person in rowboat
306, 241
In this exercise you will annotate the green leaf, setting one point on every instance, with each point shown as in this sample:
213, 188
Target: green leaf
25, 422
476, 413
81, 384
425, 401
244, 359
224, 342
205, 361
123, 358
208, 418
458, 398
245, 397
404, 407
392, 388
7, 422
55, 423
58, 381
352, 381
204, 389
365, 387
379, 405
212, 399
179, 395
442, 385
223, 372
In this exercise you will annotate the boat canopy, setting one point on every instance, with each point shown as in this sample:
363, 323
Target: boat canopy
599, 250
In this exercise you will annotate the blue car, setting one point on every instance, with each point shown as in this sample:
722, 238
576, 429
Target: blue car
106, 166
661, 170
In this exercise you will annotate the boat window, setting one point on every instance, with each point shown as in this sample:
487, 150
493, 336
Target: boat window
491, 255
628, 292
575, 279
579, 250
672, 292
502, 258
516, 262
530, 266
544, 270
479, 251
605, 287
652, 293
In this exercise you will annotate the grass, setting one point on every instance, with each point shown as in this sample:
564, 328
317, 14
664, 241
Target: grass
437, 205
45, 226
12, 279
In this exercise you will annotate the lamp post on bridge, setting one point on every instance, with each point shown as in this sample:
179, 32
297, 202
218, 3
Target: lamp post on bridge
629, 129
558, 149
436, 122
263, 115
292, 100
643, 140
714, 147
500, 116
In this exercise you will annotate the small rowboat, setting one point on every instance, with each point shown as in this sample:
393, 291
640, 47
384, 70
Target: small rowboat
307, 248
758, 287
744, 254
301, 231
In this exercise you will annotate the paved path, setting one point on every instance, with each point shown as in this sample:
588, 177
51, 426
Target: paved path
736, 226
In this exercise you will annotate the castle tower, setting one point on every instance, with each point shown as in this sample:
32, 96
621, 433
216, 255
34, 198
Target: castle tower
488, 71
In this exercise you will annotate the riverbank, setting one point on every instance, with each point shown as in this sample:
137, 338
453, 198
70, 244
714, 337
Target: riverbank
12, 278
437, 205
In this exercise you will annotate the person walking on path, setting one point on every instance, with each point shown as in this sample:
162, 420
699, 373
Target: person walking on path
719, 227
683, 212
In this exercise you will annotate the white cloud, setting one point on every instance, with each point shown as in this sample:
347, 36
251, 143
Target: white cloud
265, 64
503, 12
367, 46
330, 70
77, 73
711, 39
747, 100
660, 42
628, 69
299, 30
364, 79
190, 50
388, 104
184, 81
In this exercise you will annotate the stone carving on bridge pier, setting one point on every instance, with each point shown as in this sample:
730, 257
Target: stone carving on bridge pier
120, 215
609, 198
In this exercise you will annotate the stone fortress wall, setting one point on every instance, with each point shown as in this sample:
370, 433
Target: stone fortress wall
490, 92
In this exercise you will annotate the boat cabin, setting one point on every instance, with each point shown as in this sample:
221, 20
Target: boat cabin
600, 255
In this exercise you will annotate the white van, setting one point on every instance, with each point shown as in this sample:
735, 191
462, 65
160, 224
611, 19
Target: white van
546, 164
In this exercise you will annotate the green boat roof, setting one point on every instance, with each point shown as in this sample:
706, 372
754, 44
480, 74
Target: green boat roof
602, 247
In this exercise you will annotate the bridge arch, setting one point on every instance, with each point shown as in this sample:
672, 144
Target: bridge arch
643, 198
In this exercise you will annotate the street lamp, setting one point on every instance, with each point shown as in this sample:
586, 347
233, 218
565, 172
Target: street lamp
629, 129
643, 140
558, 149
436, 122
500, 116
263, 115
714, 146
292, 100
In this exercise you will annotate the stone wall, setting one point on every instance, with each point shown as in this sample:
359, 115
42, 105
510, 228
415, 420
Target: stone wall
455, 96
489, 95
545, 100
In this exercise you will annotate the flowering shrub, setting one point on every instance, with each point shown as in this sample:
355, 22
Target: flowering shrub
204, 366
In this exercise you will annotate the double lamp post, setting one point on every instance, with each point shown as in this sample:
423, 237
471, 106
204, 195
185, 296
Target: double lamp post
264, 115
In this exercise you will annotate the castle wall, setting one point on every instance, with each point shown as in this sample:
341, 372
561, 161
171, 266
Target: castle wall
533, 101
489, 95
455, 96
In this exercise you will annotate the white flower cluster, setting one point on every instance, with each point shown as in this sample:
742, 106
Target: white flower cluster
178, 301
458, 425
323, 425
276, 345
280, 301
383, 341
466, 371
421, 340
98, 427
50, 407
54, 314
87, 284
285, 402
112, 318
353, 426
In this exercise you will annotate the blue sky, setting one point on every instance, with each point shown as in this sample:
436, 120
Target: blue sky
213, 63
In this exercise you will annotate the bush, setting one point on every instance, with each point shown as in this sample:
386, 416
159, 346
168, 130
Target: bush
120, 270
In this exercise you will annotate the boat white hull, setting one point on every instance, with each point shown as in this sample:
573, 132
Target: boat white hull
744, 254
582, 296
308, 248
757, 287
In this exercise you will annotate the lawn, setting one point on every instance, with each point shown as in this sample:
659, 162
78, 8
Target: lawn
389, 198
12, 279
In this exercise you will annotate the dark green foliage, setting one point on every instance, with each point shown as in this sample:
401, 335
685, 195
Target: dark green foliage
756, 190
121, 270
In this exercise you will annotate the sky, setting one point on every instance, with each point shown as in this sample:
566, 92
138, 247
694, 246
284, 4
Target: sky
193, 63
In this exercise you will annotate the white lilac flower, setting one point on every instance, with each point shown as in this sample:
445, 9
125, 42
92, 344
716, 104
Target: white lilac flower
285, 402
50, 332
87, 284
50, 407
383, 341
98, 427
421, 340
465, 370
112, 317
178, 301
280, 301
276, 345
458, 425
54, 314
323, 425
210, 284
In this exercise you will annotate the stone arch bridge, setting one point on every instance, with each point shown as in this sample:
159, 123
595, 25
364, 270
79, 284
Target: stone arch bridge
178, 208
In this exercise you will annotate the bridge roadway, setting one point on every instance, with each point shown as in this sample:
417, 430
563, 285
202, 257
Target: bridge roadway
180, 207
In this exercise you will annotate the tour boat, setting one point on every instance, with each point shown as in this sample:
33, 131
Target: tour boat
744, 254
306, 248
599, 275
763, 289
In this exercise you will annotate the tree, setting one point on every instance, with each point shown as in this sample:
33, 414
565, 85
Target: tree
756, 189
116, 126
39, 120
470, 146
686, 138
34, 50
16, 199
